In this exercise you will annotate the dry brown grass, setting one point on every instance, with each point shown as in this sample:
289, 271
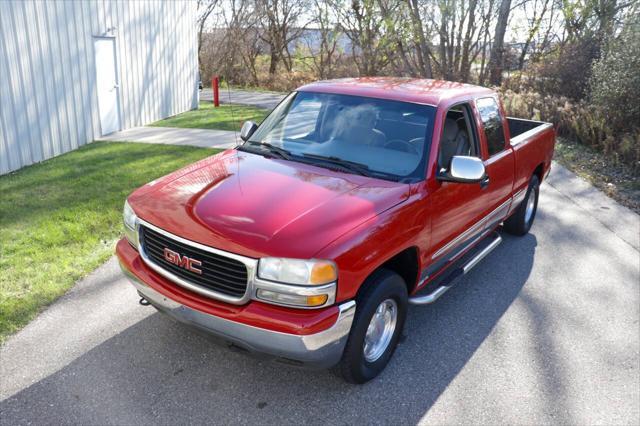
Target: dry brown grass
578, 121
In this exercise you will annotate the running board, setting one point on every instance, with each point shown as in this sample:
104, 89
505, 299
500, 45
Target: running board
448, 282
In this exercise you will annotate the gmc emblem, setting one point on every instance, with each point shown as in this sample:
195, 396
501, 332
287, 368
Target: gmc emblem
182, 261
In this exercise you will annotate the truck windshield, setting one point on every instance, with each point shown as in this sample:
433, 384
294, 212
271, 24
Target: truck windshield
374, 137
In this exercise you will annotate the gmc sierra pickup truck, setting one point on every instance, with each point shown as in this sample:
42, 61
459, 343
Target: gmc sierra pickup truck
353, 199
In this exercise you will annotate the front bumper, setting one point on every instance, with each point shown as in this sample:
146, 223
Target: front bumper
320, 350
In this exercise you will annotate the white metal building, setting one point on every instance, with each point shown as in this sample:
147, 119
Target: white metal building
72, 71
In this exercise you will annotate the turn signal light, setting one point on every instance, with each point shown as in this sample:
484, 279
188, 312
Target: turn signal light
317, 300
323, 272
292, 299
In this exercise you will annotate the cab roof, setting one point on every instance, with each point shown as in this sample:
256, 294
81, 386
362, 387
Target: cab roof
414, 90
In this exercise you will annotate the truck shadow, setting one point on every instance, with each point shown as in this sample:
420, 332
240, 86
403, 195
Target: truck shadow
161, 371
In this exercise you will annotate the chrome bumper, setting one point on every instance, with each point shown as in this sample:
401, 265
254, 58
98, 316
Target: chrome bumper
321, 350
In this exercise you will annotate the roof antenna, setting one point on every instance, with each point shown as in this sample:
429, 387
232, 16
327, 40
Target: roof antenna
235, 132
233, 117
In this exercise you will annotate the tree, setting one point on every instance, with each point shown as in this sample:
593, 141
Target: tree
204, 9
323, 58
565, 68
535, 22
497, 50
484, 44
279, 19
423, 51
363, 23
615, 79
244, 36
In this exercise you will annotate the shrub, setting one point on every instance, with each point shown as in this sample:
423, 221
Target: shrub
580, 121
563, 72
615, 80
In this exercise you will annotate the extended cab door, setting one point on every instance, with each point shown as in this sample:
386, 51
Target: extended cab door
498, 159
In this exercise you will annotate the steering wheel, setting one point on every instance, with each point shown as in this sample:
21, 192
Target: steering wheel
401, 145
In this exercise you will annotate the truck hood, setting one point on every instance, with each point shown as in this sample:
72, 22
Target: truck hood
255, 206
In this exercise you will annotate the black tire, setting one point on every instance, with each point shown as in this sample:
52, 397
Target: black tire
519, 223
380, 287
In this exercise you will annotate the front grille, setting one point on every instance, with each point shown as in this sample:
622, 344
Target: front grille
219, 273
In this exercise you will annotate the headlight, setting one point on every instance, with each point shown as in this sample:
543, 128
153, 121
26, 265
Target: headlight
130, 225
297, 282
297, 271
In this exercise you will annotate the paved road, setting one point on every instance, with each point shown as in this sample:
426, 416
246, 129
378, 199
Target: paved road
267, 100
545, 330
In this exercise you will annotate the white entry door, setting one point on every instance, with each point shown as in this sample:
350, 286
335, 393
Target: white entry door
107, 84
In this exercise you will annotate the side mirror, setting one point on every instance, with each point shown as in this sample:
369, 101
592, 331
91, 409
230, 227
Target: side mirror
248, 128
464, 169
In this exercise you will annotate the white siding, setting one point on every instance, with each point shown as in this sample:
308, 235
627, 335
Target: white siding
48, 99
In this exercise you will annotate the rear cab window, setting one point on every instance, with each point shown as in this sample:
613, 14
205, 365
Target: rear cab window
492, 124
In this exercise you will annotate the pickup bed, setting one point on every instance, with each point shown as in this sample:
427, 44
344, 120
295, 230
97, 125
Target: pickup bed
352, 200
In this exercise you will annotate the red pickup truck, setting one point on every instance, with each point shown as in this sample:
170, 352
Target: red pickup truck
353, 199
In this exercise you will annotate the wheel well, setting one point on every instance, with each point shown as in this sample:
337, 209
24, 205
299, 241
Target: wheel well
404, 264
539, 171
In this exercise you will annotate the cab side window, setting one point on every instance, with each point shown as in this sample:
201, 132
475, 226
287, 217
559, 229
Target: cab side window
492, 123
457, 136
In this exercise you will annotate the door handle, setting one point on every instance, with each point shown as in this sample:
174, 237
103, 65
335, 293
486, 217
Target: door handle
484, 182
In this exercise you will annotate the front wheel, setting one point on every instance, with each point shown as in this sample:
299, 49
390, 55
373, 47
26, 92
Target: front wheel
520, 222
380, 314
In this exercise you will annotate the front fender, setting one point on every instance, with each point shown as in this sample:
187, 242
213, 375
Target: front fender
362, 250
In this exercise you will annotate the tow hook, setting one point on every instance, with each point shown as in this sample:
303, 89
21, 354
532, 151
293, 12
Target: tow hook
144, 302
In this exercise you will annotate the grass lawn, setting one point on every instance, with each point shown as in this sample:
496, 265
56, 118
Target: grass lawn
60, 219
225, 117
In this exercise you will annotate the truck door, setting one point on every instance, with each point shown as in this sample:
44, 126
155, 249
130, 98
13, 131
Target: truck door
498, 160
456, 207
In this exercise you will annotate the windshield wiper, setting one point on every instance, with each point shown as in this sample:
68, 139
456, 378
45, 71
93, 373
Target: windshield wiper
359, 168
280, 152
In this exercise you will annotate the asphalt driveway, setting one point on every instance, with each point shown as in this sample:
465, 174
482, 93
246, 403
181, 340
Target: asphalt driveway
545, 330
267, 100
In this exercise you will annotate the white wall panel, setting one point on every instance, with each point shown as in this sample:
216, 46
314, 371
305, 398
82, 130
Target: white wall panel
48, 97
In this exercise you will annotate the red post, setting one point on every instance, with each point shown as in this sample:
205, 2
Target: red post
216, 91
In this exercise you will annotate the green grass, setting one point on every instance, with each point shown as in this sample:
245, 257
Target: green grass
225, 117
60, 219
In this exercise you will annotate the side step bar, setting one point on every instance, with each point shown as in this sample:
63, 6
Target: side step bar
462, 270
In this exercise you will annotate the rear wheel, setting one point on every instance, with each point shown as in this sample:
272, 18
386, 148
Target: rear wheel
520, 222
380, 314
